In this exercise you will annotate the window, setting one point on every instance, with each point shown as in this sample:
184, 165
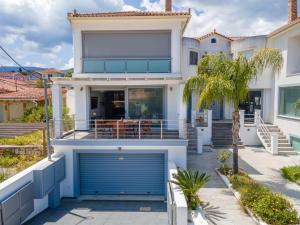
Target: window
289, 101
248, 53
145, 103
94, 102
193, 58
295, 142
213, 41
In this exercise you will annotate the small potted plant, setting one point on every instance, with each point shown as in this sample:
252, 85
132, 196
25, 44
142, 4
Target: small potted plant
190, 183
223, 157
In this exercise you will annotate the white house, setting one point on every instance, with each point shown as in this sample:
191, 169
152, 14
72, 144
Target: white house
128, 113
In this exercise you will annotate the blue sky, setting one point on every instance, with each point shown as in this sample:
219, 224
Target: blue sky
37, 33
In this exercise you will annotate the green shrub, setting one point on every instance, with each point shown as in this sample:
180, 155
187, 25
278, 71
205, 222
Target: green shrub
292, 173
2, 177
252, 193
271, 207
223, 157
34, 138
190, 182
239, 182
8, 161
36, 114
275, 210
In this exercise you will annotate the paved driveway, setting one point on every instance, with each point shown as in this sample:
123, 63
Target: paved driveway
75, 212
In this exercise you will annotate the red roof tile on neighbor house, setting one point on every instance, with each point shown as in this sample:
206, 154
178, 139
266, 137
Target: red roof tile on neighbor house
214, 33
127, 13
19, 90
50, 71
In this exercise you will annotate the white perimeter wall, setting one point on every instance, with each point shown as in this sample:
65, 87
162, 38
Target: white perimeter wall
176, 154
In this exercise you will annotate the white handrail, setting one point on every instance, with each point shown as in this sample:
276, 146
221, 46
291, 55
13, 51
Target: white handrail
265, 131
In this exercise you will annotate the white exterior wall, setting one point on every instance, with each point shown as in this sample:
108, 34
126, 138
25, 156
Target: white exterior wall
222, 45
290, 126
189, 44
82, 107
176, 154
173, 24
70, 102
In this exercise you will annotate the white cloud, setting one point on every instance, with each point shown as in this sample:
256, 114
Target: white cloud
69, 65
153, 5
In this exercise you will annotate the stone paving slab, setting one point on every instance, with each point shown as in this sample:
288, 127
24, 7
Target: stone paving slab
216, 193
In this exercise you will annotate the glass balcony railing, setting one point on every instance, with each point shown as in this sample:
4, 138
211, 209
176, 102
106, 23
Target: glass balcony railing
153, 65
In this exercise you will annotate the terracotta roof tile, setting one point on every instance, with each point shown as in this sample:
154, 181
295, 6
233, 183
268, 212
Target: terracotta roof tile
213, 33
127, 13
23, 91
50, 71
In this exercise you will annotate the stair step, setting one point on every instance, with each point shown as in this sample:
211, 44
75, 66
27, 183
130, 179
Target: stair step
287, 152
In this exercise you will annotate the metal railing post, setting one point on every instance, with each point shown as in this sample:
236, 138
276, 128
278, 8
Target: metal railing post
161, 129
117, 129
96, 129
139, 129
74, 128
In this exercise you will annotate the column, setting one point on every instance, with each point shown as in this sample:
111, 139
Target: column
242, 118
82, 107
182, 113
57, 107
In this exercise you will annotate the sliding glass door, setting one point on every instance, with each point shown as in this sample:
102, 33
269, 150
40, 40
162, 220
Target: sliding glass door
146, 103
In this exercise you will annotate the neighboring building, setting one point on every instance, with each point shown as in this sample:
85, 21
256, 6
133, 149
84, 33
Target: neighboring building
51, 72
13, 76
16, 97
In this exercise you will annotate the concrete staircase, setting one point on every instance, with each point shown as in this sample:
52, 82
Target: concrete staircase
284, 146
192, 137
222, 135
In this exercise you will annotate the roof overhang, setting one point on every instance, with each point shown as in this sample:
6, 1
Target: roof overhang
284, 28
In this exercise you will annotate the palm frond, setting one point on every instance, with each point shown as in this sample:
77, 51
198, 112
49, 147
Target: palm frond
268, 57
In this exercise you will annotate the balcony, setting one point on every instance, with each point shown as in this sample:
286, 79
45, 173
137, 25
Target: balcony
118, 129
129, 65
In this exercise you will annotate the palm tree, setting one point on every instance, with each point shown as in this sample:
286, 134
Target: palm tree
190, 182
220, 77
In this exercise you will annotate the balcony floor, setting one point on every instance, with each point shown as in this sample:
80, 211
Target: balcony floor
72, 212
79, 135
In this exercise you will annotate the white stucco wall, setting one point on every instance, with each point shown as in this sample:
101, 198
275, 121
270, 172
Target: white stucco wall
282, 41
176, 154
222, 45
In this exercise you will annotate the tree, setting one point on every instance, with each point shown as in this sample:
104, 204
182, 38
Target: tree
68, 74
220, 77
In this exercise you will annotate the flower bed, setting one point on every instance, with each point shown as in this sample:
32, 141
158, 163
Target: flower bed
292, 173
265, 206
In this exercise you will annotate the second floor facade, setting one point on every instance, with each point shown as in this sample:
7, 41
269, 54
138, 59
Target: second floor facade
127, 43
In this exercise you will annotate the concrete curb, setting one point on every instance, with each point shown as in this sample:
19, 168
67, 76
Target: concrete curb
226, 181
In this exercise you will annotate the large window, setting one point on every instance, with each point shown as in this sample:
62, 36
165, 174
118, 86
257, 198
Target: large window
145, 103
289, 101
193, 58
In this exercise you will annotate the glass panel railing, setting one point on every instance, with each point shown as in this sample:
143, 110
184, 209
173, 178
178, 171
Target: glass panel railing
159, 66
152, 65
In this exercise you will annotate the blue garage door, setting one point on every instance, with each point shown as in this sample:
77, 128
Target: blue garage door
122, 173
